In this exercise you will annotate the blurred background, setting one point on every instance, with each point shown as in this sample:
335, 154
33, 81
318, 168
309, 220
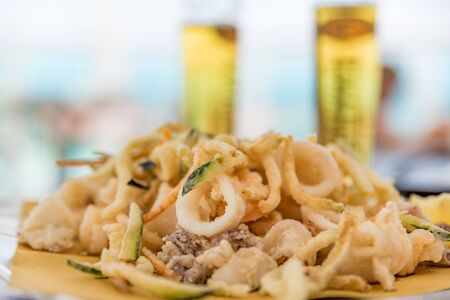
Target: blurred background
80, 76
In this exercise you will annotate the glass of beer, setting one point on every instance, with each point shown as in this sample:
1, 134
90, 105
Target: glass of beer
209, 43
348, 76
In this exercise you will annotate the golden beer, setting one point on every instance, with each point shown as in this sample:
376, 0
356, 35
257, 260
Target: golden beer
209, 77
348, 76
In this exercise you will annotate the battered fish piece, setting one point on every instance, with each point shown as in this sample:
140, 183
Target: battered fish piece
217, 256
246, 266
91, 235
370, 257
285, 238
425, 248
50, 226
382, 248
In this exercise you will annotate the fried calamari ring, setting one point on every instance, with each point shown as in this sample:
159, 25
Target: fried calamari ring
188, 212
295, 187
318, 171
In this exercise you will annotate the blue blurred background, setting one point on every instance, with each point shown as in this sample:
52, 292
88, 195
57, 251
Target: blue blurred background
78, 76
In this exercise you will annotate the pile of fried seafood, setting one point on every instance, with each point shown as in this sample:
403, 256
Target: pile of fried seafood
181, 214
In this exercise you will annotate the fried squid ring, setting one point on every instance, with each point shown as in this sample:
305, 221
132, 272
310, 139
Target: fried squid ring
295, 187
188, 211
318, 171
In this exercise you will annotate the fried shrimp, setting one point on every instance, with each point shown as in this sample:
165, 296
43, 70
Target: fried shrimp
77, 193
91, 235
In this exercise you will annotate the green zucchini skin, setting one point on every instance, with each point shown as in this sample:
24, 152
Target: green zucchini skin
84, 267
131, 242
210, 169
152, 285
411, 223
201, 174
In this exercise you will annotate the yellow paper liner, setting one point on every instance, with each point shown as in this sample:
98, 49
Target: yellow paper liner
48, 273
